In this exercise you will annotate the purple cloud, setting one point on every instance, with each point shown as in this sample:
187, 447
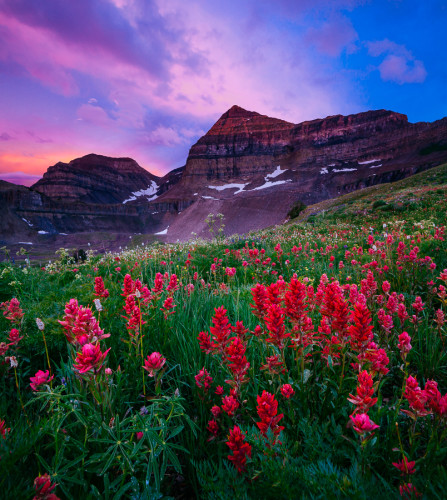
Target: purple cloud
5, 137
399, 65
333, 36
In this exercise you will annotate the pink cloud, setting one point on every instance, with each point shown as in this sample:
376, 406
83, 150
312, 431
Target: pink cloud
94, 115
399, 65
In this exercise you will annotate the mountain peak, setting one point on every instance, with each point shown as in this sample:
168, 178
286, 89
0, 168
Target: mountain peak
238, 112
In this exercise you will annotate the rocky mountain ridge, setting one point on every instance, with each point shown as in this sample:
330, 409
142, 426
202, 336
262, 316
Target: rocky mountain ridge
250, 167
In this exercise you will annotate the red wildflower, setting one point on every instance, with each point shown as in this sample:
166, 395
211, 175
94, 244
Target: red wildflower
221, 330
402, 313
241, 450
205, 342
135, 321
12, 310
361, 329
378, 359
203, 379
362, 423
3, 348
287, 391
40, 378
229, 405
405, 466
172, 285
158, 284
267, 410
274, 365
404, 344
168, 307
364, 400
100, 290
418, 305
3, 429
14, 336
154, 363
71, 311
409, 491
213, 428
219, 390
128, 286
216, 411
240, 330
417, 399
86, 328
295, 301
91, 358
260, 296
439, 318
44, 488
274, 322
238, 363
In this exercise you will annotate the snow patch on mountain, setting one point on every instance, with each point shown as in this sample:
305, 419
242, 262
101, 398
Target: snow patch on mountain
149, 192
366, 162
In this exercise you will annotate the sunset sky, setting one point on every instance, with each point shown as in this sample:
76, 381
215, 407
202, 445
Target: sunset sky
147, 78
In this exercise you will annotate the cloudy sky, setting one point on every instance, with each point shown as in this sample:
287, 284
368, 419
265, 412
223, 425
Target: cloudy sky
147, 78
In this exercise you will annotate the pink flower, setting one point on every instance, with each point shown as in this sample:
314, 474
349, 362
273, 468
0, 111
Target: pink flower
43, 487
362, 423
100, 290
287, 391
404, 344
91, 358
230, 405
154, 362
39, 379
14, 336
139, 436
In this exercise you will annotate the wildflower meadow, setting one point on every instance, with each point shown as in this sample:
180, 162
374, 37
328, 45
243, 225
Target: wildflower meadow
303, 361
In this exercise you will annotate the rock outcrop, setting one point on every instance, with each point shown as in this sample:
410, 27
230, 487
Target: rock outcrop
248, 162
99, 179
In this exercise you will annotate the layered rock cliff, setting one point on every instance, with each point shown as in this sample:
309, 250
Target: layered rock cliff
98, 179
248, 161
250, 167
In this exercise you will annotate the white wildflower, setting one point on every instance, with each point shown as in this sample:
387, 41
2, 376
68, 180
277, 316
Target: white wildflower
98, 304
40, 324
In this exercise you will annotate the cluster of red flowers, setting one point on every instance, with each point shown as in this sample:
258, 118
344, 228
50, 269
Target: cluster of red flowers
425, 401
44, 488
39, 379
154, 363
12, 310
80, 325
240, 448
268, 413
100, 290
